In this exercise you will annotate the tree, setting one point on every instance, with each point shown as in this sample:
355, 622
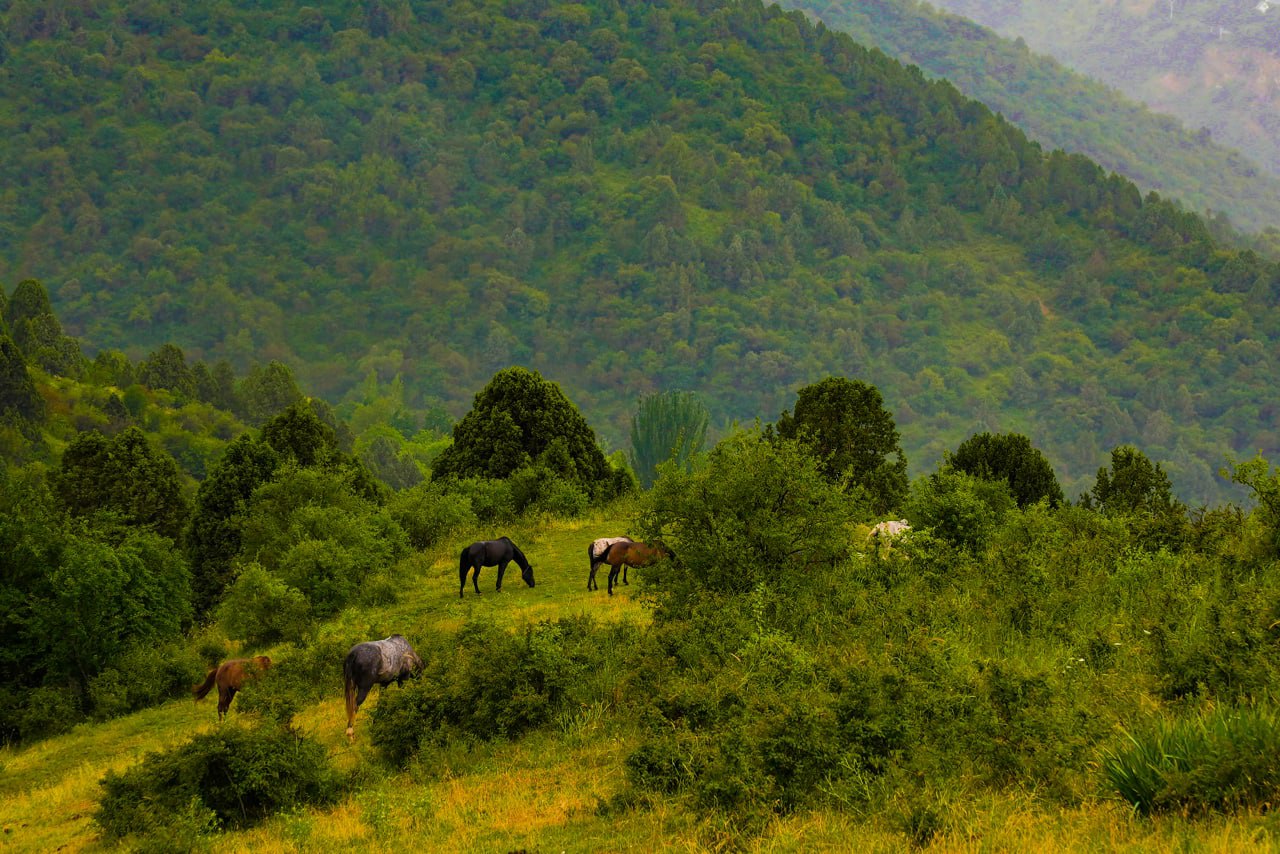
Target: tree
1009, 457
268, 390
1136, 488
667, 426
517, 420
126, 476
297, 433
213, 540
167, 369
760, 513
18, 393
845, 425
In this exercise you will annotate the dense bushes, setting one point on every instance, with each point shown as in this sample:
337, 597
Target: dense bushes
486, 683
232, 777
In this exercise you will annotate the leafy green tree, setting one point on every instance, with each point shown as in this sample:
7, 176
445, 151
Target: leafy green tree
844, 424
18, 395
126, 476
167, 369
37, 332
30, 300
1009, 457
214, 538
267, 390
1138, 489
1264, 482
667, 426
516, 420
760, 512
297, 433
961, 508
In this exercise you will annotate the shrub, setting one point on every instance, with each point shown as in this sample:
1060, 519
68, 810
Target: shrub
431, 511
1225, 759
261, 609
145, 674
232, 777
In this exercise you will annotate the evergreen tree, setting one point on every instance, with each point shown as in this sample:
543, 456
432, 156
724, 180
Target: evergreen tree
126, 476
520, 419
18, 395
213, 540
1009, 457
667, 426
167, 369
268, 390
845, 425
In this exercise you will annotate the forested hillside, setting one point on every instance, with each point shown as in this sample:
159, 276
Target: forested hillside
627, 196
1060, 108
1212, 64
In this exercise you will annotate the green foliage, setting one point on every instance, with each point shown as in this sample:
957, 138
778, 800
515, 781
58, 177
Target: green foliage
18, 395
144, 674
667, 426
1220, 760
519, 419
167, 369
260, 608
1009, 457
1264, 482
485, 683
233, 777
214, 538
960, 508
759, 512
736, 206
1135, 487
845, 425
432, 511
126, 476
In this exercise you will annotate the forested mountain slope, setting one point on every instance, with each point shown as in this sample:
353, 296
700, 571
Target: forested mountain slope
1212, 64
628, 197
1060, 108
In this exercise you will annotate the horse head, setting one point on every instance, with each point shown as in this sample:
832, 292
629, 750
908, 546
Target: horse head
526, 572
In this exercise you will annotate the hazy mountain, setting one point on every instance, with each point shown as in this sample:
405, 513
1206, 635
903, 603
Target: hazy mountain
1214, 65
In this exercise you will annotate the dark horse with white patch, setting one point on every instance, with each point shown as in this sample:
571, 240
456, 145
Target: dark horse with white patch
499, 553
628, 553
375, 663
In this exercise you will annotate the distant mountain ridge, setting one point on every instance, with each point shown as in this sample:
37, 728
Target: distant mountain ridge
628, 197
1061, 108
1212, 64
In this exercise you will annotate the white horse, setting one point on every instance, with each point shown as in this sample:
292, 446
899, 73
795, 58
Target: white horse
890, 530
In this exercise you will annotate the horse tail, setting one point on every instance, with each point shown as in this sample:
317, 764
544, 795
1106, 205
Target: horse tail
463, 563
206, 686
349, 689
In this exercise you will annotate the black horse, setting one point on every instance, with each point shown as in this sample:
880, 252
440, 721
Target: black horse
497, 553
375, 663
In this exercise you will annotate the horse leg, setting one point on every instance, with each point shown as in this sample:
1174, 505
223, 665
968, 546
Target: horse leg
462, 580
225, 696
475, 578
502, 570
624, 575
591, 579
613, 576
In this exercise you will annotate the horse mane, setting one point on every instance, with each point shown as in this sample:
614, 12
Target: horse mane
519, 555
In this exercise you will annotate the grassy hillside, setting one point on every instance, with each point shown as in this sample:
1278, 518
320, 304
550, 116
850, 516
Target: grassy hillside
550, 790
1061, 108
634, 197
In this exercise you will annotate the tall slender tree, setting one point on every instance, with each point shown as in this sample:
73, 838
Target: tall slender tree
667, 426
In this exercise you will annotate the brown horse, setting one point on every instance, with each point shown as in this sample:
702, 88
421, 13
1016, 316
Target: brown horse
229, 677
628, 553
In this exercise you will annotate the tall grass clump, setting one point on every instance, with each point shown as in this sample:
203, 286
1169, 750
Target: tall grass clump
1221, 760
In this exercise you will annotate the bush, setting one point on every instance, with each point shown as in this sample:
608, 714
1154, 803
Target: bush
261, 609
145, 675
230, 778
1226, 759
431, 511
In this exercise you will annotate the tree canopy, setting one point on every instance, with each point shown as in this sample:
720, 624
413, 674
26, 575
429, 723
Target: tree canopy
1009, 457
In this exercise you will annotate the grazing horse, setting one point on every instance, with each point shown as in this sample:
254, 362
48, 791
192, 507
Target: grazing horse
230, 676
596, 551
497, 553
882, 532
375, 663
629, 553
